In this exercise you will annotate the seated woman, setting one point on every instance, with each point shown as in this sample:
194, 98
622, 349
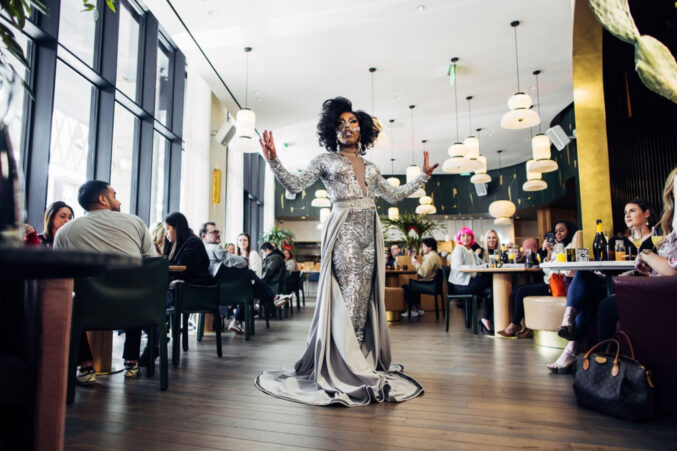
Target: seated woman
493, 243
648, 263
57, 214
244, 249
564, 232
587, 289
183, 247
290, 261
471, 283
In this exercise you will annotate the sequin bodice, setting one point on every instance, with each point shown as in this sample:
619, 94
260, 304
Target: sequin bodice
338, 177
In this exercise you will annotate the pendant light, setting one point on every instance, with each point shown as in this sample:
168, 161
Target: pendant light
471, 144
540, 144
392, 180
534, 182
393, 213
413, 171
321, 200
377, 123
245, 131
426, 206
502, 210
520, 115
456, 163
480, 175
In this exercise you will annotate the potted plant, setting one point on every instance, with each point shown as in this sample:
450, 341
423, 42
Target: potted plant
284, 238
412, 227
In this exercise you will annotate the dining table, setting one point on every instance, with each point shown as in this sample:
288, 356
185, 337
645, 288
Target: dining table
501, 279
608, 268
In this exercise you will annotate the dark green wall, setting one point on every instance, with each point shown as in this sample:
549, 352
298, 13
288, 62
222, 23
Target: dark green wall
454, 194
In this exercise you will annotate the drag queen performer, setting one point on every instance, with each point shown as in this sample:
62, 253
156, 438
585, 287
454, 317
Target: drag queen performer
347, 356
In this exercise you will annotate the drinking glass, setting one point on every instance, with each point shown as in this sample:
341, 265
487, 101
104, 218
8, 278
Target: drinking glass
637, 237
620, 250
656, 235
560, 255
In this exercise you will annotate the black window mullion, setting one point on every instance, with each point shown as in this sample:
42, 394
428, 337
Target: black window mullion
145, 160
178, 93
39, 136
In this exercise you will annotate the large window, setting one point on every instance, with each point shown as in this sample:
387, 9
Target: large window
128, 52
69, 147
103, 108
157, 190
77, 31
18, 100
122, 161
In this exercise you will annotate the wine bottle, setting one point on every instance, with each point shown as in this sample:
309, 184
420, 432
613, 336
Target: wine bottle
600, 249
504, 254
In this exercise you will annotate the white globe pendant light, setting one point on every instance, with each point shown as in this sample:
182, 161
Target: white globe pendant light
413, 171
392, 180
245, 121
534, 182
540, 144
321, 200
471, 144
502, 210
426, 206
520, 115
456, 163
481, 175
393, 213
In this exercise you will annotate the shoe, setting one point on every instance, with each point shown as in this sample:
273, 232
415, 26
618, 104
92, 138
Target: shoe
420, 312
282, 299
143, 360
525, 333
484, 328
503, 333
410, 314
132, 370
236, 328
567, 332
566, 368
85, 376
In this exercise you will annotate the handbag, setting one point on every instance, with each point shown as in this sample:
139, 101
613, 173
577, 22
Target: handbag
559, 284
613, 383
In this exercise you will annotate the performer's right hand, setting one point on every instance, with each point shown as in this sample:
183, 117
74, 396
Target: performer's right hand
268, 146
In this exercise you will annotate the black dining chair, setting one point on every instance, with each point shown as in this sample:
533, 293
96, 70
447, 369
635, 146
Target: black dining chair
469, 300
432, 287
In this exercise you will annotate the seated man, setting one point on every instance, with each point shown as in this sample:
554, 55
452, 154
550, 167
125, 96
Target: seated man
104, 228
211, 237
274, 270
426, 271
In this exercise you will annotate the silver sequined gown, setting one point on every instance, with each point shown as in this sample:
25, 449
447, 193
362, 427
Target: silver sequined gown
347, 358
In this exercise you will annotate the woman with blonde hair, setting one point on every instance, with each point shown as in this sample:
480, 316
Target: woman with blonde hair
493, 244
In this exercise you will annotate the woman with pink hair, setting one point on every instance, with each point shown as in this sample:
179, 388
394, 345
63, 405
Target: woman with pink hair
470, 283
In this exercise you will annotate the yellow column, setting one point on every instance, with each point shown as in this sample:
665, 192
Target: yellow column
593, 154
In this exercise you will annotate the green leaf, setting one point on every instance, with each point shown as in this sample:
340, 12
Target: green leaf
111, 5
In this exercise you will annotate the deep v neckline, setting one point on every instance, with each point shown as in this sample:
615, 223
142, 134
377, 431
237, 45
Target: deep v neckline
363, 185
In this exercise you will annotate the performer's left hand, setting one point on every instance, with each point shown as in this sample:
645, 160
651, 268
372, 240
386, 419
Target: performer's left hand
426, 164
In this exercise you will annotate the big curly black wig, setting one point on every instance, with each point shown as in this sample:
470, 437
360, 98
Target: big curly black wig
326, 128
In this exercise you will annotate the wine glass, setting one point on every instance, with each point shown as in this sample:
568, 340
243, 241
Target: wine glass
656, 235
637, 237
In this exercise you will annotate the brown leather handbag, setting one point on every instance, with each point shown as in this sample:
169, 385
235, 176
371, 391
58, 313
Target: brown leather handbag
613, 383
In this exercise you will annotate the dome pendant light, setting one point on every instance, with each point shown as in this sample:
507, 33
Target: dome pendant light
426, 206
413, 171
456, 163
540, 144
377, 123
245, 131
502, 210
392, 180
520, 115
321, 200
534, 182
481, 175
472, 145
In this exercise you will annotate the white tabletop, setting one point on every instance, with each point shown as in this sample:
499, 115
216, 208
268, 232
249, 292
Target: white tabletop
590, 266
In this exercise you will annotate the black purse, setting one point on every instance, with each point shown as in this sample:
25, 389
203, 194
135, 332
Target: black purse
613, 383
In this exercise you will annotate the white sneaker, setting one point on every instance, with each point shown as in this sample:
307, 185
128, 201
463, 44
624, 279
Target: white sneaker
412, 314
421, 312
282, 299
85, 376
236, 328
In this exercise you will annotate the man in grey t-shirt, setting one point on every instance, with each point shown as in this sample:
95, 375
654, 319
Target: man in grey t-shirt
105, 229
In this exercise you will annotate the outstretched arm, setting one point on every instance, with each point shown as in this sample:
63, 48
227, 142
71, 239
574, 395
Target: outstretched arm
294, 183
395, 194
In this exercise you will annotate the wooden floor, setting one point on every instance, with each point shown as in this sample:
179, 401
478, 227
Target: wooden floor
480, 393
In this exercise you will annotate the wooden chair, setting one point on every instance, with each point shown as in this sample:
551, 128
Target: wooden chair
122, 299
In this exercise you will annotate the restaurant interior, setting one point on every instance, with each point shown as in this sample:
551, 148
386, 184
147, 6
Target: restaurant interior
554, 127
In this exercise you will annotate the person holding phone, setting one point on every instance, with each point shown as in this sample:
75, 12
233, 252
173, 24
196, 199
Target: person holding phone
563, 233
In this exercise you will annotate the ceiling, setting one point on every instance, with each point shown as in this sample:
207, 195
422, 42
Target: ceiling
306, 51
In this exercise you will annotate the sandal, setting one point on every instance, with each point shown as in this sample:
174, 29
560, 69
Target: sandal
567, 332
525, 333
563, 369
